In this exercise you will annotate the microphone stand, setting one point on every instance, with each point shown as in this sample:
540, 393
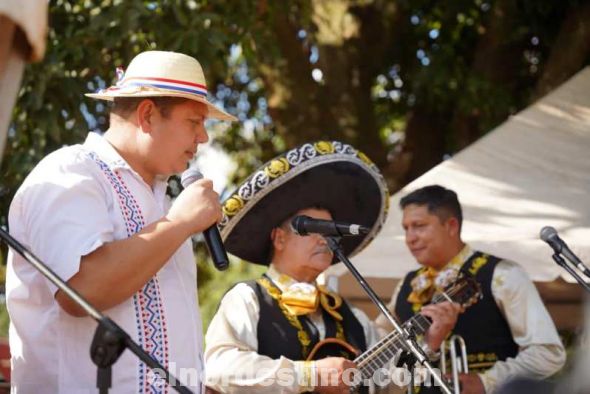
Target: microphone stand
411, 346
560, 261
109, 340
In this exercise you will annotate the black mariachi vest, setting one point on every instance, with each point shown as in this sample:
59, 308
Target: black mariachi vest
278, 336
486, 332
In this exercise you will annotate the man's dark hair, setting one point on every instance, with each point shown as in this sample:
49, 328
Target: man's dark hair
440, 202
124, 106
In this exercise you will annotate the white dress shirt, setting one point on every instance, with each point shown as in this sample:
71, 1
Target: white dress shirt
541, 352
65, 209
232, 362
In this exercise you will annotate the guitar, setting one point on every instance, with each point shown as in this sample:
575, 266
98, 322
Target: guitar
465, 290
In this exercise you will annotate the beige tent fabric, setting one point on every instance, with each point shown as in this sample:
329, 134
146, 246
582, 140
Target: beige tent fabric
31, 17
530, 172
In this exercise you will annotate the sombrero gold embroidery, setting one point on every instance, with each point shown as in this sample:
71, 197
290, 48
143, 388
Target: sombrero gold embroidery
277, 168
364, 158
232, 205
324, 147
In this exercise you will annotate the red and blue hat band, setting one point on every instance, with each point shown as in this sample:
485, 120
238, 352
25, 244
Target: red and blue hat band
162, 83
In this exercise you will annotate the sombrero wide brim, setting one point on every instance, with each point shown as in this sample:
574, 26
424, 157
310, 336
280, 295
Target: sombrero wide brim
331, 175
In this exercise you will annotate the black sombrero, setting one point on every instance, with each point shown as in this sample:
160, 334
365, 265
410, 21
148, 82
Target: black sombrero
332, 175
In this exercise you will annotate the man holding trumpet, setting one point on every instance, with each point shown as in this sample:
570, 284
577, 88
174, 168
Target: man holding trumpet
509, 332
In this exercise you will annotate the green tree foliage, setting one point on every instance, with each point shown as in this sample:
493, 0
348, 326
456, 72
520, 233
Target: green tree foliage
407, 82
404, 81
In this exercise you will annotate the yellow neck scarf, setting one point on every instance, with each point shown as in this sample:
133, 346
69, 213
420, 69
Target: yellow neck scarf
304, 298
429, 281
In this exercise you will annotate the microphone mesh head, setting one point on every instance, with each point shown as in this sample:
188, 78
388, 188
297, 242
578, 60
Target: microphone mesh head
547, 233
189, 176
298, 225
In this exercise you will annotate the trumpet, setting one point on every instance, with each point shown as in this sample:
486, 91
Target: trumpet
458, 361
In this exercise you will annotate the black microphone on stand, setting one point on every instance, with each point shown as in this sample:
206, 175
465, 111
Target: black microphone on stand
211, 235
549, 235
304, 225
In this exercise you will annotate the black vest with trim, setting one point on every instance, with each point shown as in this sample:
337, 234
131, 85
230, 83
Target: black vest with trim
483, 327
277, 337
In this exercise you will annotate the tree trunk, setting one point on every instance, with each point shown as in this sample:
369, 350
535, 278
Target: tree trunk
340, 106
569, 52
496, 61
425, 142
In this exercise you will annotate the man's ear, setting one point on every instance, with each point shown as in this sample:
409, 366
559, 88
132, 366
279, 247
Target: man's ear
277, 236
453, 226
145, 112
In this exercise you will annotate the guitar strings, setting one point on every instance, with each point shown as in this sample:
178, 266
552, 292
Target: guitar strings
366, 360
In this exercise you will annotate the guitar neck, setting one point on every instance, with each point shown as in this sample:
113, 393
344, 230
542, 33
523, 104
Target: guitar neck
387, 348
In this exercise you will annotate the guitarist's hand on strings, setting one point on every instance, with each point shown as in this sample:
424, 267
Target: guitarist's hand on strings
444, 317
330, 372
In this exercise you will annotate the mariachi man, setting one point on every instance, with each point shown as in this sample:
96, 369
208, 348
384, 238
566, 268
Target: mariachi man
509, 332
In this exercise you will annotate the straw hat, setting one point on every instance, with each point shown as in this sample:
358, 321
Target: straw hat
160, 73
328, 174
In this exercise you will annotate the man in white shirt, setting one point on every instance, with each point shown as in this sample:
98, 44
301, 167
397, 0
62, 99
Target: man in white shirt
509, 332
97, 214
263, 336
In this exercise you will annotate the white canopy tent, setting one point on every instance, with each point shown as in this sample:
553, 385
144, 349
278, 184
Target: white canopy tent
532, 171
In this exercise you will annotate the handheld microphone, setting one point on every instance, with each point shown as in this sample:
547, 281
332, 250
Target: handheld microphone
304, 225
211, 234
549, 235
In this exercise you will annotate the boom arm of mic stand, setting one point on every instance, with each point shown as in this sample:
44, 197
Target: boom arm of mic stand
114, 339
560, 261
411, 345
